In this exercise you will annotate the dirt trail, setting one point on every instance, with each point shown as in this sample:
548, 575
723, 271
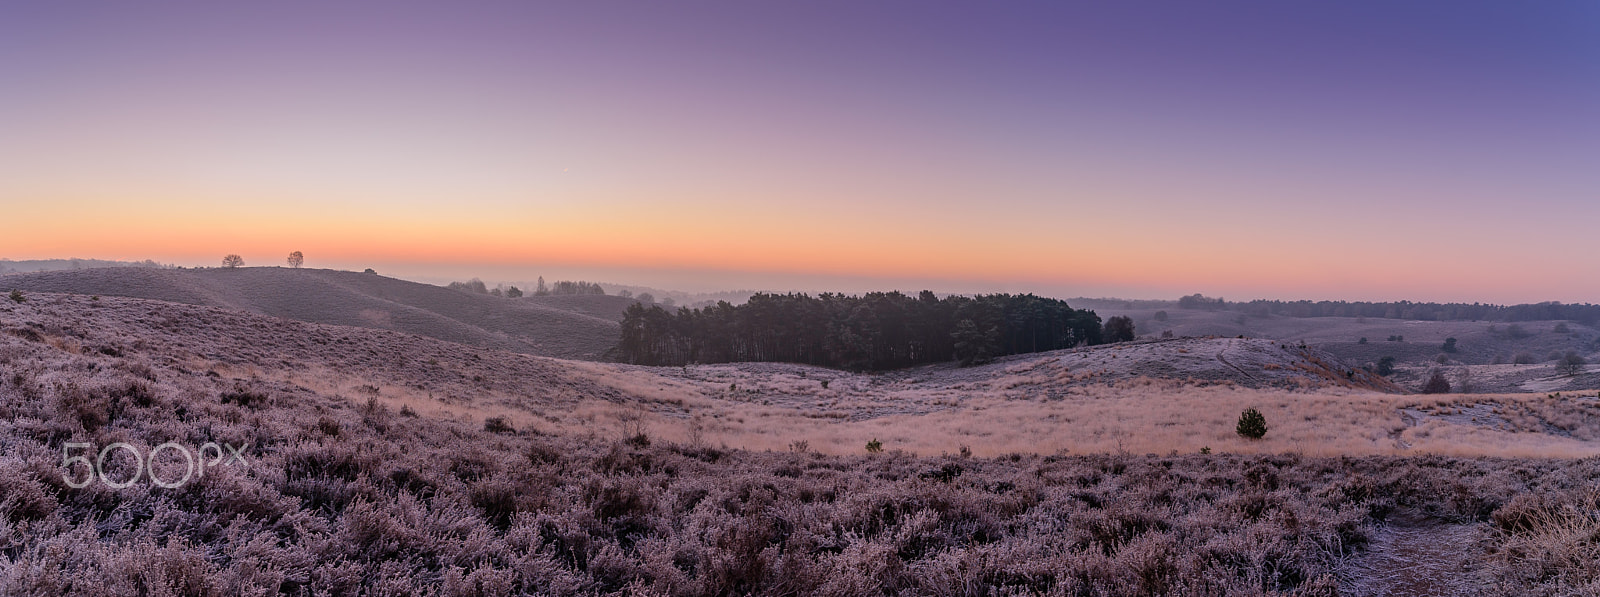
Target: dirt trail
1413, 555
1410, 419
1220, 359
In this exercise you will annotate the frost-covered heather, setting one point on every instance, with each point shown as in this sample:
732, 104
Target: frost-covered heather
569, 327
372, 471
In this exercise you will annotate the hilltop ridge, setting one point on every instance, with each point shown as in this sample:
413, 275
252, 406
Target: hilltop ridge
566, 327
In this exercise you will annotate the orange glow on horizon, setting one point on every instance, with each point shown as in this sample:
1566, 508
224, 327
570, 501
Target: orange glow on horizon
665, 236
1067, 150
773, 237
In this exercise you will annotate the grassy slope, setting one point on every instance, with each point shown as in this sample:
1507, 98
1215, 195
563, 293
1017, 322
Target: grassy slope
345, 495
1091, 399
1478, 342
574, 327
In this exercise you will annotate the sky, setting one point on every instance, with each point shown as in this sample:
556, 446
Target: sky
1327, 150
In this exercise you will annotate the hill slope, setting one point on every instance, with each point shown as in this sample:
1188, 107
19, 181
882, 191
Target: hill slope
364, 461
1418, 342
1047, 376
566, 327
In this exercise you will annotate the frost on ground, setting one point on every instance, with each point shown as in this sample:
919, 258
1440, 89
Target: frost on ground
575, 327
375, 468
1412, 555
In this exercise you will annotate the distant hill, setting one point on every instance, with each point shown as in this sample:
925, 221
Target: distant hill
573, 327
1415, 342
8, 266
1247, 362
602, 306
1585, 313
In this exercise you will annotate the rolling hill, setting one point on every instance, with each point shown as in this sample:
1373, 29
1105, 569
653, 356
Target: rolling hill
368, 461
1416, 342
572, 327
585, 327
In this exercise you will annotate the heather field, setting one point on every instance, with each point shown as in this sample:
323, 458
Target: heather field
353, 461
574, 327
792, 299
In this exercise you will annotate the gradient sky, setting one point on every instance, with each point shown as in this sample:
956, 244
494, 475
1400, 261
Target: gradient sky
1354, 150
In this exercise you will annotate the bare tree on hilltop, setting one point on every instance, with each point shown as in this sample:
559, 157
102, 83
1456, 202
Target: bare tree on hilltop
297, 259
233, 261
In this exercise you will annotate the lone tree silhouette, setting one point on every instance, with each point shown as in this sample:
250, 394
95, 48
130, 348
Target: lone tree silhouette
232, 261
296, 259
1251, 424
1119, 329
1571, 364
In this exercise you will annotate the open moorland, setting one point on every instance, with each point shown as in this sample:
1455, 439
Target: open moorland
382, 462
575, 327
1489, 356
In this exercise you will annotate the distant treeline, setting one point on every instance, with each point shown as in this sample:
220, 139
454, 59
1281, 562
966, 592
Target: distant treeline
569, 287
477, 286
8, 266
540, 289
1584, 313
881, 330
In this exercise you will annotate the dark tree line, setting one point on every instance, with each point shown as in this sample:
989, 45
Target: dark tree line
880, 330
579, 287
1551, 311
474, 285
563, 287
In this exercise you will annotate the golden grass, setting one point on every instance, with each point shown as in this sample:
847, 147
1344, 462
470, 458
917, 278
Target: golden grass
1141, 416
1035, 406
771, 411
1135, 418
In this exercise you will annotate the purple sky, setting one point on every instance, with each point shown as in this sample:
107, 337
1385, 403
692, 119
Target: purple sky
1359, 150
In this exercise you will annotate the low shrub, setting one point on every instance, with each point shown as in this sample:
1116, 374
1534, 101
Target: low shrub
498, 425
245, 397
1437, 383
1252, 424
